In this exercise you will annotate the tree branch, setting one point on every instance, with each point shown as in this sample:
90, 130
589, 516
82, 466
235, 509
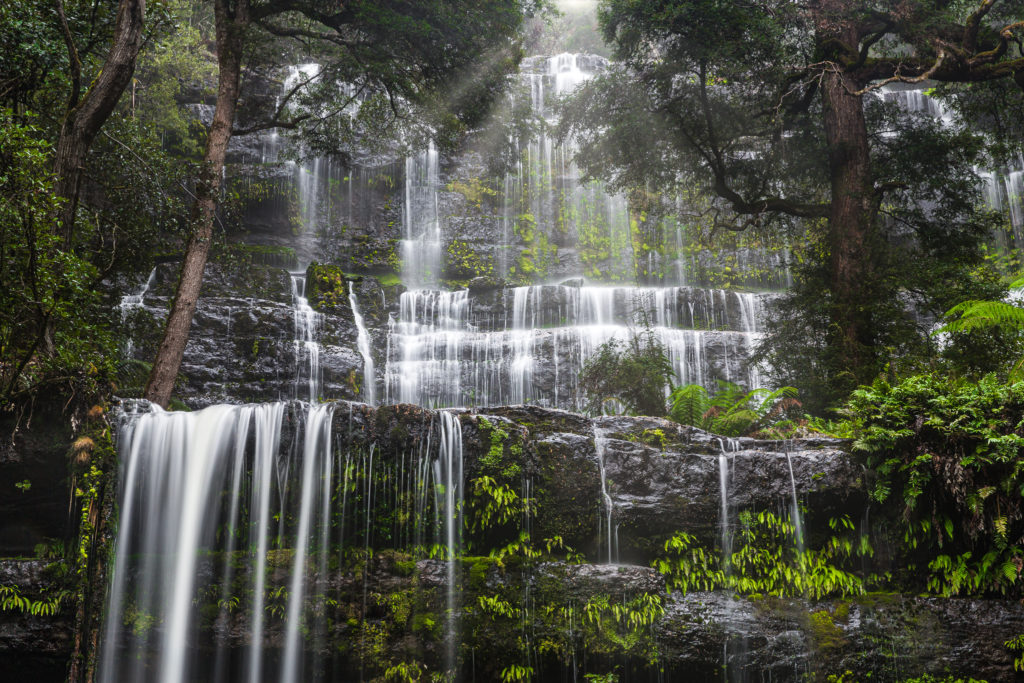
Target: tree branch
73, 58
899, 77
970, 39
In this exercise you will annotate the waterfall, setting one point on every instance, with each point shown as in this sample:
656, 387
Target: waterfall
1005, 196
219, 512
316, 464
608, 537
442, 352
174, 467
726, 446
448, 469
133, 302
421, 220
307, 348
798, 526
363, 342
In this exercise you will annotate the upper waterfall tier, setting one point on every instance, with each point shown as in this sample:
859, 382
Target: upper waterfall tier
431, 276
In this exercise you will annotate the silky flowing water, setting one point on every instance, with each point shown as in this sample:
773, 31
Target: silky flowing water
234, 519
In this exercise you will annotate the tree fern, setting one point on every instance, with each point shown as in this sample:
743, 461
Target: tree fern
732, 411
689, 404
968, 316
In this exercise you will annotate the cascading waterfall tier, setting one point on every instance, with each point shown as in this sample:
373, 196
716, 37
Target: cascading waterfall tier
248, 508
446, 350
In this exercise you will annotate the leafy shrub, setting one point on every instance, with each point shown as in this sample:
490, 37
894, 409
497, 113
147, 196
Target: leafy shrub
635, 372
770, 561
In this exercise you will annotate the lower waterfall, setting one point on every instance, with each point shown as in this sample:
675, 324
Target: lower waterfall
232, 521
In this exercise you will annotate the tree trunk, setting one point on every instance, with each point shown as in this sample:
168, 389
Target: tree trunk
231, 28
851, 221
85, 117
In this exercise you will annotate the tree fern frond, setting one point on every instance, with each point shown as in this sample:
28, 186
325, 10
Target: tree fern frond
735, 423
689, 404
983, 315
132, 374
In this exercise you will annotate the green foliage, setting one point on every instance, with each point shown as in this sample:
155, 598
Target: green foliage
52, 331
769, 562
179, 58
1016, 645
951, 452
12, 600
634, 372
733, 411
1003, 319
968, 316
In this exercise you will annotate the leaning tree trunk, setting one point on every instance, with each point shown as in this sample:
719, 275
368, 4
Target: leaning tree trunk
851, 222
85, 117
231, 27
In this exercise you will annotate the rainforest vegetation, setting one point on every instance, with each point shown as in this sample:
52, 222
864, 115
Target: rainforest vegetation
854, 167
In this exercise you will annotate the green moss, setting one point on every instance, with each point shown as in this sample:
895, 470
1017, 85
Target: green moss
255, 254
474, 190
389, 279
654, 437
278, 559
463, 262
824, 633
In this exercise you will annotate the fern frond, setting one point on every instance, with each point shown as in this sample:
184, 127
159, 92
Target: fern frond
983, 315
689, 404
735, 423
132, 374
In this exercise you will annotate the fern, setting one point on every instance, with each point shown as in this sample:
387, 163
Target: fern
969, 316
689, 404
731, 412
131, 375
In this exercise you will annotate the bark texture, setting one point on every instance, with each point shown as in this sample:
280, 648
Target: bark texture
87, 115
851, 217
232, 21
854, 201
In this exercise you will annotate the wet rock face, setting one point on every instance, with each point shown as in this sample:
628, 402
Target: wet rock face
661, 477
885, 637
33, 473
242, 347
33, 648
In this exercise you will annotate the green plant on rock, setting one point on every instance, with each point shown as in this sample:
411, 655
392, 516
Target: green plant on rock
623, 627
1016, 645
494, 504
687, 566
47, 605
733, 411
474, 190
769, 561
463, 262
517, 673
